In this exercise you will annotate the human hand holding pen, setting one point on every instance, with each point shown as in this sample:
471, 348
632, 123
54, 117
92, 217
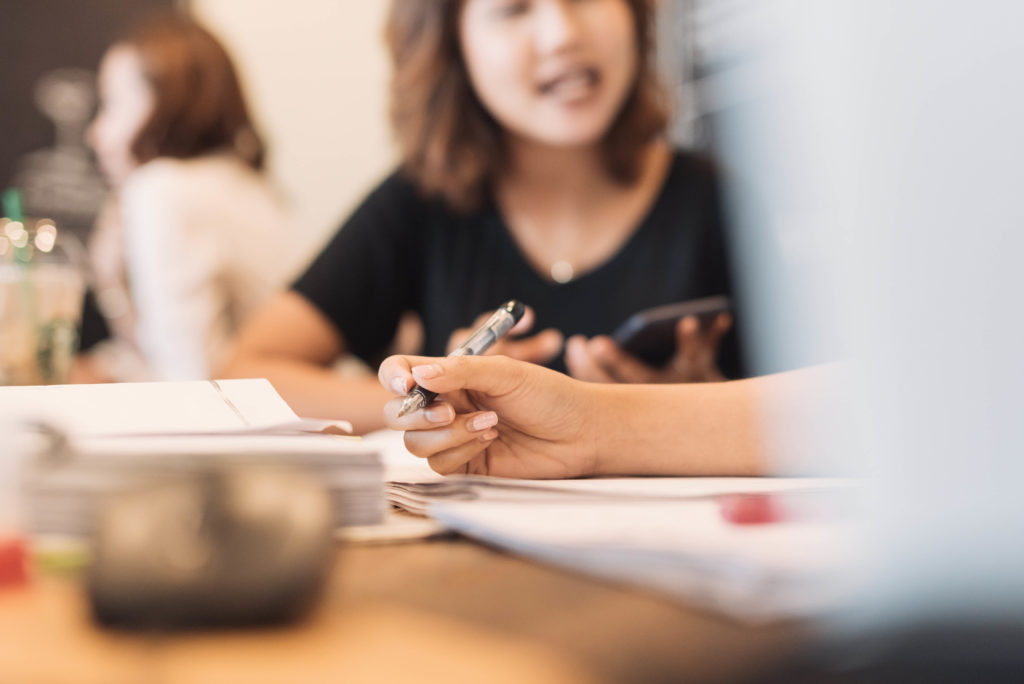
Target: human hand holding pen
545, 428
498, 416
493, 328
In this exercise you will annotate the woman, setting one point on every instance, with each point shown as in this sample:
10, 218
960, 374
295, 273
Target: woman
193, 239
533, 166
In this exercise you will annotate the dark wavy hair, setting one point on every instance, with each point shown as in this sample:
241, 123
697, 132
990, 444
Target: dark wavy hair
199, 106
449, 144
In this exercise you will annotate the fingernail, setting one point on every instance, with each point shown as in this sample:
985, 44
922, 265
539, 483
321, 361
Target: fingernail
400, 385
488, 436
428, 371
440, 414
483, 421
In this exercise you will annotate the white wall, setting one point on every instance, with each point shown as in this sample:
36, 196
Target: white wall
316, 75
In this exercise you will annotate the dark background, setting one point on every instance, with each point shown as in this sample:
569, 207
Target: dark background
37, 36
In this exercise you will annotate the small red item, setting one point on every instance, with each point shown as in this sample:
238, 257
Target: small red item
751, 509
13, 561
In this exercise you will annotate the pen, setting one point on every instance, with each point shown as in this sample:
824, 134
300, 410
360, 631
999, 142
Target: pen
500, 322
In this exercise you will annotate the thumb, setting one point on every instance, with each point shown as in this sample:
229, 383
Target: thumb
491, 375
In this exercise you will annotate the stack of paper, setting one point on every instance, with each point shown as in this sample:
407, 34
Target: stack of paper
684, 548
94, 439
666, 534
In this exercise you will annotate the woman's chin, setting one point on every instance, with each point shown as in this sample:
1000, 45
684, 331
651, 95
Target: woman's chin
567, 136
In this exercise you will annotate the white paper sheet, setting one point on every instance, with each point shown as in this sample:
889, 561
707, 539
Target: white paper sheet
685, 549
147, 407
86, 441
662, 533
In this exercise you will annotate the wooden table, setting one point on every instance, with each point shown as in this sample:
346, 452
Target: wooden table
444, 610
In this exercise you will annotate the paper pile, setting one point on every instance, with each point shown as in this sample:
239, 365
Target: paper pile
89, 440
665, 534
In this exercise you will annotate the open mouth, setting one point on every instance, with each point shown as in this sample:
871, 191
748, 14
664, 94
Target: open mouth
571, 84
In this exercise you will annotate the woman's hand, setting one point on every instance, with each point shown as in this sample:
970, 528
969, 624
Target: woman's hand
539, 348
599, 359
494, 416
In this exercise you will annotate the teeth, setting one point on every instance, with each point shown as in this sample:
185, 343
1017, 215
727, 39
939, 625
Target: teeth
576, 84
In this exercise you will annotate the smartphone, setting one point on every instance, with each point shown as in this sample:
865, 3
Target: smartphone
651, 334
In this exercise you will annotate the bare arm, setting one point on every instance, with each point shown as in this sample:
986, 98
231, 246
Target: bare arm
723, 428
507, 418
293, 345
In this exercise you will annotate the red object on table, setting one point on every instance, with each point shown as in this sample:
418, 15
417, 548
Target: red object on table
13, 561
751, 509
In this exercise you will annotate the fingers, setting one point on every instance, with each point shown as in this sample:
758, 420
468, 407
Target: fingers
721, 326
460, 335
538, 348
455, 460
699, 346
582, 364
617, 363
696, 354
395, 373
450, 447
688, 342
712, 340
447, 439
525, 323
438, 414
490, 375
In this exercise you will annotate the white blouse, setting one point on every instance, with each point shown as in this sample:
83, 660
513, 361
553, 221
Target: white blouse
205, 243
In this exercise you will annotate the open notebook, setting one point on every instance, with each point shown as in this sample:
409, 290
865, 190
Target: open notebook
86, 440
156, 408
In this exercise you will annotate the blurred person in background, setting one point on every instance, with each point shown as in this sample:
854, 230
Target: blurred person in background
534, 165
193, 239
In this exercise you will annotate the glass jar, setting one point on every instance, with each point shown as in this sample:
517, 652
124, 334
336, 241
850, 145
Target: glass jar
41, 288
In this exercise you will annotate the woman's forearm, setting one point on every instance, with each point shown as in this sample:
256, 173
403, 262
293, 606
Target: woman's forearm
318, 392
293, 344
696, 429
705, 429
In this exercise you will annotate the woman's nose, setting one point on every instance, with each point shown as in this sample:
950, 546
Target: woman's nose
556, 25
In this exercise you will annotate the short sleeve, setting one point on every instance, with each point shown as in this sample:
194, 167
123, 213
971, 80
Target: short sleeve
363, 280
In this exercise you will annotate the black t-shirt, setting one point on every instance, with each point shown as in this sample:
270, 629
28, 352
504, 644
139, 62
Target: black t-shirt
401, 252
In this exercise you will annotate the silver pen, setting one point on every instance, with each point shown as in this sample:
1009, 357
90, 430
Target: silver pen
500, 322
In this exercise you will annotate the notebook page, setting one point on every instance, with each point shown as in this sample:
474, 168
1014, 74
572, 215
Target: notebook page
152, 407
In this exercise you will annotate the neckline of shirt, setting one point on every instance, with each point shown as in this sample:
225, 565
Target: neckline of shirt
643, 226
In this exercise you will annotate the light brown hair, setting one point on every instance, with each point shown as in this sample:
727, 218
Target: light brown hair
450, 144
199, 106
